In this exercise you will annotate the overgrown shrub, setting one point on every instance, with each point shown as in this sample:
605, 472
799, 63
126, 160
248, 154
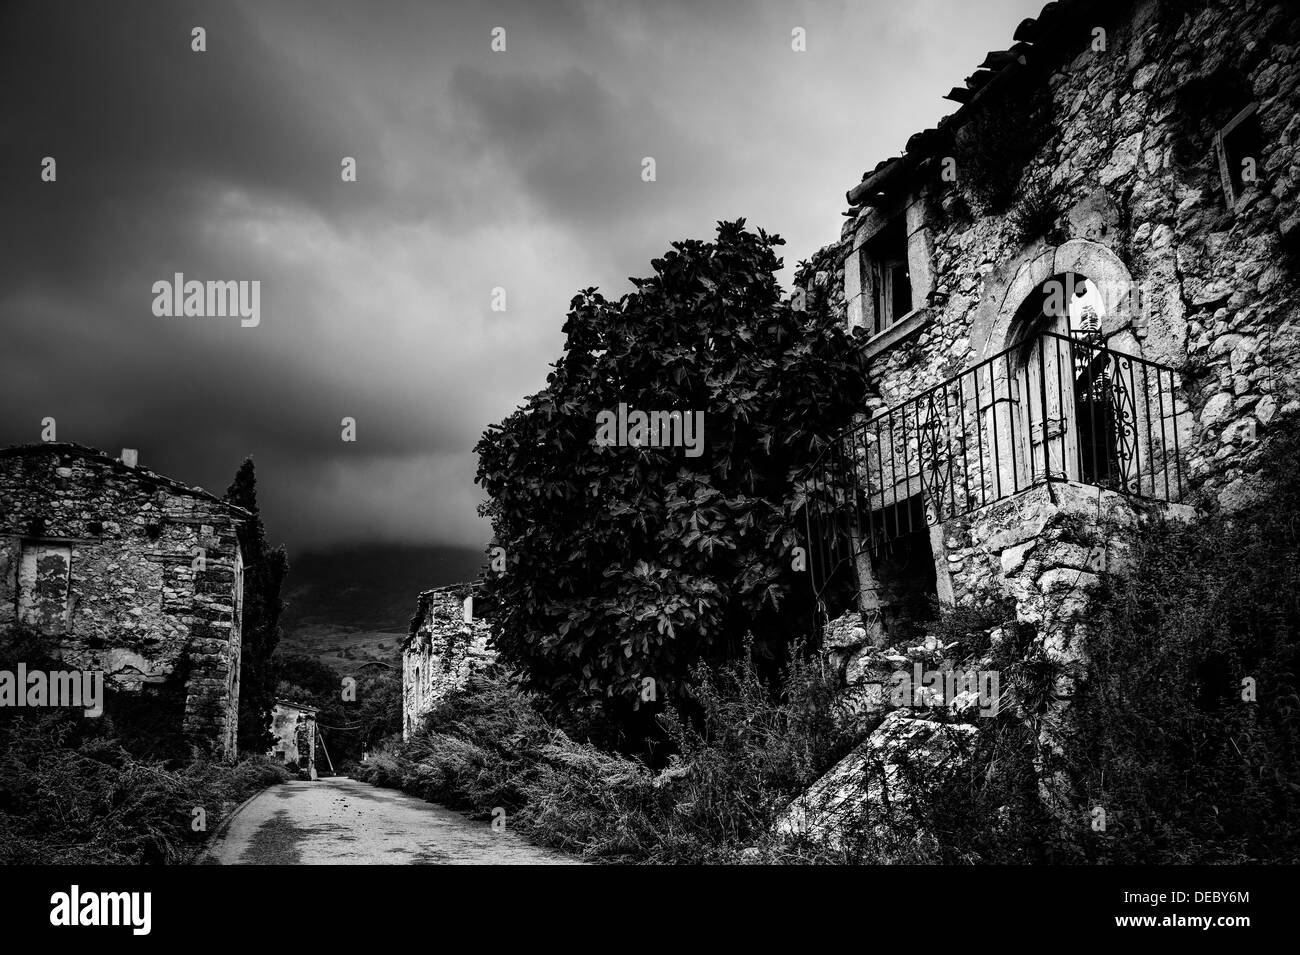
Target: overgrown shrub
118, 789
1160, 735
1034, 215
70, 794
634, 563
1187, 768
487, 745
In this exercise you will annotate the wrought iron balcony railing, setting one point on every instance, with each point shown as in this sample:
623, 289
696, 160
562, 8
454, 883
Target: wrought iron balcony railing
1050, 408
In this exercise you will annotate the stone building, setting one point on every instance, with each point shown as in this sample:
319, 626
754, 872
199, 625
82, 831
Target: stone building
1080, 286
441, 650
1076, 303
294, 727
127, 572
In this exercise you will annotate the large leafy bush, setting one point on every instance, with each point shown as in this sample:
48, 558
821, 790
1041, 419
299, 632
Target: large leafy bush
628, 564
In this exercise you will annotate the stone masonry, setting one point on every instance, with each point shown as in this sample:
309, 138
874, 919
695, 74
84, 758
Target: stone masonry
441, 651
129, 572
294, 727
1122, 185
1148, 150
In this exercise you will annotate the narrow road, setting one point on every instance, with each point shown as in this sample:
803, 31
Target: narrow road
339, 821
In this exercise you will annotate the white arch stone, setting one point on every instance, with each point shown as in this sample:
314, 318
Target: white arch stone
1082, 256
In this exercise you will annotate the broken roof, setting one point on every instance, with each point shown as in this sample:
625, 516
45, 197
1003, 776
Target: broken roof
458, 591
1037, 42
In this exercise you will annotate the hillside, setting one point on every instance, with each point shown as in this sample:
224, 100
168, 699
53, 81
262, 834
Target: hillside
352, 604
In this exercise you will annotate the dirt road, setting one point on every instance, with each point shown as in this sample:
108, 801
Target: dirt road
337, 821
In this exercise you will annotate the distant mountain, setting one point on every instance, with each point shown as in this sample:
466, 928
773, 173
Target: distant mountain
364, 595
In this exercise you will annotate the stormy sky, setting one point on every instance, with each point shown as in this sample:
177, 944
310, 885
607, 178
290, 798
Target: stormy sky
475, 169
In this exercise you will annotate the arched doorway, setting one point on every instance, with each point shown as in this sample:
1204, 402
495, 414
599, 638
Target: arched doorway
1071, 407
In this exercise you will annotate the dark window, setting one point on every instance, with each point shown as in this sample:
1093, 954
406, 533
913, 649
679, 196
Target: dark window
1239, 146
884, 265
904, 567
1095, 402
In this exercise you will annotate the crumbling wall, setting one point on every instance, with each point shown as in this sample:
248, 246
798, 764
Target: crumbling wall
441, 651
294, 729
152, 584
821, 279
1116, 177
1049, 540
1047, 550
1126, 182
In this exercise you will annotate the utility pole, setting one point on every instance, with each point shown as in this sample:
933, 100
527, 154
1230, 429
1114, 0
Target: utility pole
326, 750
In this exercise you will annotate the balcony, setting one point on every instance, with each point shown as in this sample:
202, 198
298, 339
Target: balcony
1049, 408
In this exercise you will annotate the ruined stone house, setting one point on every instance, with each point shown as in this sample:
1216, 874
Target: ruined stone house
441, 650
1078, 291
127, 572
1075, 301
294, 727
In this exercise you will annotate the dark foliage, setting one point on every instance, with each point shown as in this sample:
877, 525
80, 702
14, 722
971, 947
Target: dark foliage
1035, 216
350, 727
627, 564
264, 572
488, 747
1161, 737
117, 789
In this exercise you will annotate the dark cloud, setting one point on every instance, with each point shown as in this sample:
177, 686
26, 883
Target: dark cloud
476, 170
562, 136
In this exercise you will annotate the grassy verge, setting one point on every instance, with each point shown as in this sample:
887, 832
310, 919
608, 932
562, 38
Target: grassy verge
70, 794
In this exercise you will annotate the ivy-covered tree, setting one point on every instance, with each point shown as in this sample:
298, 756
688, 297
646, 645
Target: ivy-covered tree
264, 572
628, 564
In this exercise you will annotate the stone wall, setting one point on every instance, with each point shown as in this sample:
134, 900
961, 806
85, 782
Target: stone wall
127, 572
294, 728
1044, 551
1047, 550
441, 651
1124, 187
1106, 126
1051, 540
1089, 148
